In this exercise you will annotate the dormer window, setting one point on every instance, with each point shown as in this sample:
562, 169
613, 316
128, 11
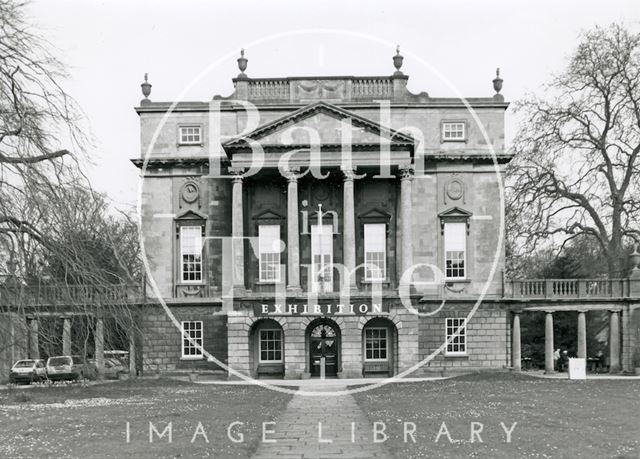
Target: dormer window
190, 135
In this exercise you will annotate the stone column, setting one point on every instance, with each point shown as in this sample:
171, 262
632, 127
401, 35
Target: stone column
349, 227
293, 234
66, 336
34, 346
516, 350
582, 335
132, 352
99, 346
237, 229
405, 217
548, 343
614, 342
627, 341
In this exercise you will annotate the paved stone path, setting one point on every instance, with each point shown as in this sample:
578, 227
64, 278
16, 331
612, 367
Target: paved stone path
296, 429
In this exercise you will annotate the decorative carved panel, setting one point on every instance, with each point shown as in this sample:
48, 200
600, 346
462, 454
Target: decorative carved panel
190, 193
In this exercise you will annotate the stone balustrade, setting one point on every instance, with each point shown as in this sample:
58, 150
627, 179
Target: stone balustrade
61, 294
524, 289
567, 288
305, 89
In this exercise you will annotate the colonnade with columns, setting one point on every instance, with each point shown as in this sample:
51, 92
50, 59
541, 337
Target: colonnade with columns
617, 348
405, 176
98, 334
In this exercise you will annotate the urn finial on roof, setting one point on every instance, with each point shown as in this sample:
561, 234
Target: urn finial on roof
242, 64
497, 81
146, 87
397, 61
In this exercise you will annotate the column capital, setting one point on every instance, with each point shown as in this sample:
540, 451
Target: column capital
292, 174
348, 173
406, 171
237, 173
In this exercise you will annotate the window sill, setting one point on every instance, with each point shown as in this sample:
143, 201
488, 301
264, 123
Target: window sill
453, 141
195, 357
464, 356
190, 145
371, 281
457, 281
274, 282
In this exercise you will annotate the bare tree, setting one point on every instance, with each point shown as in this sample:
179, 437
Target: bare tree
39, 122
576, 170
53, 228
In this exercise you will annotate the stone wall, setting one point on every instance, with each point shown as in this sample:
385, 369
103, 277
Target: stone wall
295, 328
488, 337
162, 342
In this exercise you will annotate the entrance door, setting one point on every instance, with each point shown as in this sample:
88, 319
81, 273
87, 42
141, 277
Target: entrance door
321, 258
324, 342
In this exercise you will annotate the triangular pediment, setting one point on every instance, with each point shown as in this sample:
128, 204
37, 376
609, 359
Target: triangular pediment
268, 214
325, 120
455, 212
374, 214
191, 215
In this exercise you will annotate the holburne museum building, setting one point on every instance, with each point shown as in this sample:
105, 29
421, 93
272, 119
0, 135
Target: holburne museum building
279, 221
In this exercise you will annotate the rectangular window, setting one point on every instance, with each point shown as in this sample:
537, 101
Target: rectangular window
455, 246
458, 344
453, 131
322, 258
191, 253
375, 251
190, 135
192, 339
375, 343
270, 346
269, 250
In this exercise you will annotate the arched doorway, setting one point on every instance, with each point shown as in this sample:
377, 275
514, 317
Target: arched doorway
266, 341
323, 338
379, 348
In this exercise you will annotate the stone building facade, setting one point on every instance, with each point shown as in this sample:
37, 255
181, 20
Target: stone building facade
256, 206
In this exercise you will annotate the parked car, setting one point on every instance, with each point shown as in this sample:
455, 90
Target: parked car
119, 356
30, 370
113, 368
89, 369
64, 367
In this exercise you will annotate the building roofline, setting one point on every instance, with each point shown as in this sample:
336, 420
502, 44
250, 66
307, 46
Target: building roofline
431, 103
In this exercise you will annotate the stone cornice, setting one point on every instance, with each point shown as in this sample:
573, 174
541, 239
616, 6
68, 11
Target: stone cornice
502, 158
432, 103
172, 162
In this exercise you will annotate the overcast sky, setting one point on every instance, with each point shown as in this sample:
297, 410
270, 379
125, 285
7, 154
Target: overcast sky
109, 45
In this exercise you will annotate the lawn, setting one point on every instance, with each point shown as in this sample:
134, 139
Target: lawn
555, 418
91, 421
